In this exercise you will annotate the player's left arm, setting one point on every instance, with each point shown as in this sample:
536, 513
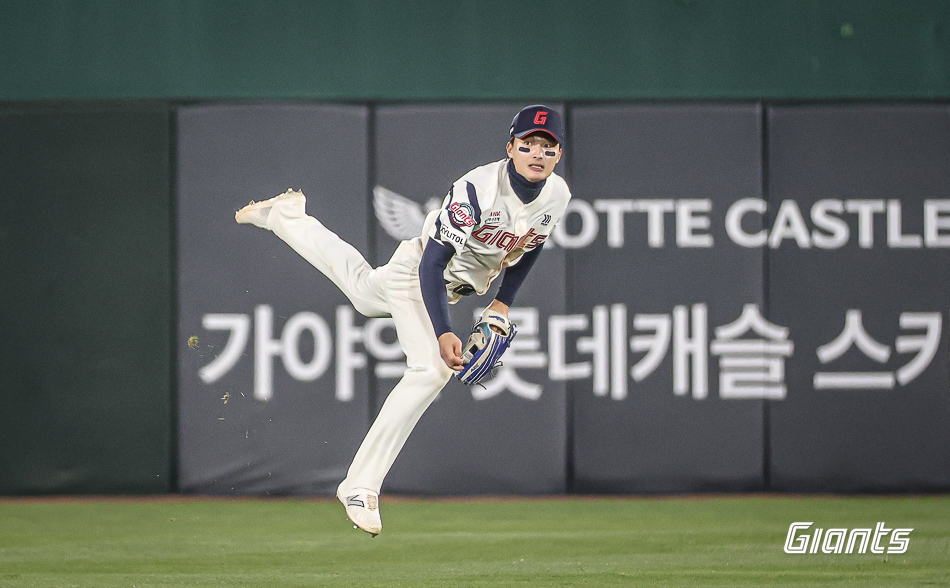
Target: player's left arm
515, 275
512, 280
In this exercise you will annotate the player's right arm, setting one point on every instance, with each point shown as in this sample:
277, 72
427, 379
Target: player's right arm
459, 215
431, 271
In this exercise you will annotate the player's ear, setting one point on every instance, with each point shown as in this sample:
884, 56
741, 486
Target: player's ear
509, 146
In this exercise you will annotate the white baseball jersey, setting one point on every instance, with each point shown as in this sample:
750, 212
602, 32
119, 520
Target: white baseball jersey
488, 225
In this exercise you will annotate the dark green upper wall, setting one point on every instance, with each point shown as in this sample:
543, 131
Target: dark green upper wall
479, 50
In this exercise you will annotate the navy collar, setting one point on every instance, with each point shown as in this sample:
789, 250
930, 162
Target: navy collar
527, 191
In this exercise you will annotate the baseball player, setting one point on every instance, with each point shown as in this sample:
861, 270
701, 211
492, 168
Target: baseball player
494, 221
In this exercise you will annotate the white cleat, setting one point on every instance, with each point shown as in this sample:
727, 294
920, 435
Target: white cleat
362, 508
256, 213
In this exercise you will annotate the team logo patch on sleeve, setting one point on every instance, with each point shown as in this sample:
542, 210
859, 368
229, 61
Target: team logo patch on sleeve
461, 214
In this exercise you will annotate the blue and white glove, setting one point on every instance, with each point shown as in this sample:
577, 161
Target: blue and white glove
485, 346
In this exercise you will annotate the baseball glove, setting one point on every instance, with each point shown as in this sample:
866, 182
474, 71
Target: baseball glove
485, 346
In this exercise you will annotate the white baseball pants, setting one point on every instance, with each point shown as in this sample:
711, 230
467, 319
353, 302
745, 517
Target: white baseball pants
389, 290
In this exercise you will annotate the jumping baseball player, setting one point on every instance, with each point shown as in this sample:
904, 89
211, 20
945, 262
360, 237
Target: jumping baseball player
494, 221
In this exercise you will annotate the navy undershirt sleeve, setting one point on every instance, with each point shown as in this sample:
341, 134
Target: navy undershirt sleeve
431, 270
514, 276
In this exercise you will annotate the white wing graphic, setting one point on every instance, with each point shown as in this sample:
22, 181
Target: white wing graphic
399, 216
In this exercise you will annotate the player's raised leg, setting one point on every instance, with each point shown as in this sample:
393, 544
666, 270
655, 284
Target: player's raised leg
342, 263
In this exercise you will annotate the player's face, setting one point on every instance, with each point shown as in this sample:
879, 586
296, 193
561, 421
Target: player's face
534, 156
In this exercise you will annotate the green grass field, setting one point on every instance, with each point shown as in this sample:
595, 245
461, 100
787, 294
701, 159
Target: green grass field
678, 541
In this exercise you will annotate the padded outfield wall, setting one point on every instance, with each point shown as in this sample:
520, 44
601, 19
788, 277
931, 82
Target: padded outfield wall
743, 297
749, 297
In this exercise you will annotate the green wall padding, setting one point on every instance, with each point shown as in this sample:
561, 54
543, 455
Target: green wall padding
85, 301
479, 50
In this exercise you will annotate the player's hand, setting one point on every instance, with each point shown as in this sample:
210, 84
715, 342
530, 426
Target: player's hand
450, 346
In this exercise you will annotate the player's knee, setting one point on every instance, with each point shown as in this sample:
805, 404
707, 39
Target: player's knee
445, 374
434, 376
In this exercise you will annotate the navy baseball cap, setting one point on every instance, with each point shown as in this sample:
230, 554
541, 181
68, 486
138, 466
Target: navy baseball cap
537, 117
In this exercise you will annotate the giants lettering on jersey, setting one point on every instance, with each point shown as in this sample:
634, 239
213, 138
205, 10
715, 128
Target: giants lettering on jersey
491, 235
461, 214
